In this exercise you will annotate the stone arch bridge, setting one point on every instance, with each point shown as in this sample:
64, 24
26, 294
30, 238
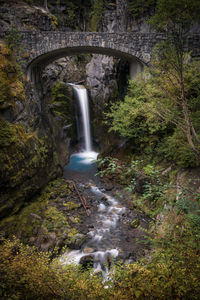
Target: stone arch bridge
43, 47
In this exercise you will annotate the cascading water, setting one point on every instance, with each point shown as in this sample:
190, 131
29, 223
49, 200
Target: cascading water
99, 247
102, 241
83, 103
83, 160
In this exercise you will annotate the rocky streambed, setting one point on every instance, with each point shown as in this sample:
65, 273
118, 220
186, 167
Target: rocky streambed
112, 228
107, 231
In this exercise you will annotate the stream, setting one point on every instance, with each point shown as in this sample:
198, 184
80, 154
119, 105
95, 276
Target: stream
102, 244
109, 220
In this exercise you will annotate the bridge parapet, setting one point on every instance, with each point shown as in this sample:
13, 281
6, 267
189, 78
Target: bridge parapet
42, 47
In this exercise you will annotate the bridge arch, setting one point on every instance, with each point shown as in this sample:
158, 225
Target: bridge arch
36, 65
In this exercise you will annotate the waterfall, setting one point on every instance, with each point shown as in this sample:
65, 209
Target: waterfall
85, 160
84, 110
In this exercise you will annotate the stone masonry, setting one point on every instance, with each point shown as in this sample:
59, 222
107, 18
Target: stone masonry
43, 47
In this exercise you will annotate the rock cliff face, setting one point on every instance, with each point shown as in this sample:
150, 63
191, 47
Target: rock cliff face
27, 157
101, 80
33, 143
24, 17
37, 122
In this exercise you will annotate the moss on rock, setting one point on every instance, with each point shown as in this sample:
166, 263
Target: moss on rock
44, 222
27, 157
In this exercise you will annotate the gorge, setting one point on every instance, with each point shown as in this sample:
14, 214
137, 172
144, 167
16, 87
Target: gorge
99, 149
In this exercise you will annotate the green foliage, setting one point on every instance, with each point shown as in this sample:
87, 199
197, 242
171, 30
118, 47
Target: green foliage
54, 218
175, 102
138, 119
45, 213
21, 152
175, 148
71, 9
60, 103
190, 208
175, 17
153, 184
70, 205
108, 165
161, 113
7, 136
11, 87
96, 14
153, 115
140, 8
76, 15
15, 143
171, 273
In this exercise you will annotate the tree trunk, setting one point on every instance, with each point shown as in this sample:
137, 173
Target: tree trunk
190, 131
45, 4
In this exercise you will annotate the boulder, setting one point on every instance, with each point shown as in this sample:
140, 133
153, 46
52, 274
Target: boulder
140, 184
78, 241
87, 261
88, 250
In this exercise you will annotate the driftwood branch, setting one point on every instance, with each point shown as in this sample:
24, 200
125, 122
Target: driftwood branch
81, 197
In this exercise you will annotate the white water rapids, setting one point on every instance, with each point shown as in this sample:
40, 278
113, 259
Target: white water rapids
97, 247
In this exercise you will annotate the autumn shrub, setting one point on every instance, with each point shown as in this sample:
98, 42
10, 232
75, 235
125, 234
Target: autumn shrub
172, 270
26, 273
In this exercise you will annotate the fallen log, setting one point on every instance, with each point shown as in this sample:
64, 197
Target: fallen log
81, 197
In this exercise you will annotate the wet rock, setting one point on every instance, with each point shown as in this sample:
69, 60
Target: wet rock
109, 186
36, 229
87, 261
48, 242
78, 241
88, 250
118, 206
101, 70
104, 200
140, 184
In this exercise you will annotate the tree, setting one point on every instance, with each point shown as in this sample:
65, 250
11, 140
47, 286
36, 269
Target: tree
175, 18
156, 114
46, 4
134, 117
174, 93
